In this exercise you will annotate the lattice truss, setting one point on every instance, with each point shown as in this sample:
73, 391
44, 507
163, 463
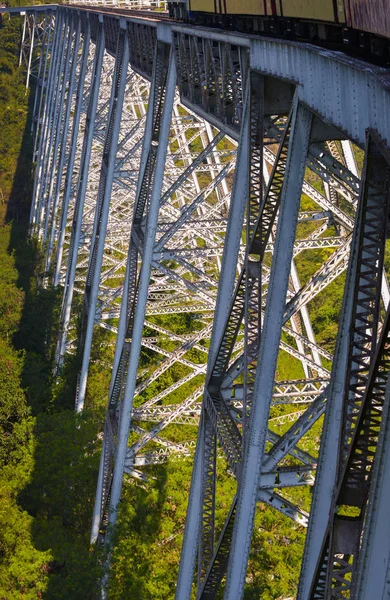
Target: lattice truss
312, 162
340, 548
36, 36
152, 214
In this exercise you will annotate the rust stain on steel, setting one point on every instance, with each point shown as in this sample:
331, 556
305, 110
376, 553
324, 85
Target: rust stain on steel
370, 15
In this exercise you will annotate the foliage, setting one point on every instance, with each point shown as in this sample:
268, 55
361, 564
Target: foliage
48, 457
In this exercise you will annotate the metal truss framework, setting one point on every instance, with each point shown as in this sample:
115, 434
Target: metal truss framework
184, 172
36, 37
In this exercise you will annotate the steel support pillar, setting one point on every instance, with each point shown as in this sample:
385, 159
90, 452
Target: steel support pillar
50, 125
72, 155
62, 147
50, 133
27, 46
224, 299
149, 188
30, 55
332, 545
47, 108
373, 570
102, 211
147, 203
58, 132
250, 477
80, 195
47, 45
178, 213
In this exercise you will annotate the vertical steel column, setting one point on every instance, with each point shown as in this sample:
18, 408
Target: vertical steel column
31, 50
373, 573
150, 142
58, 130
50, 130
225, 292
253, 267
103, 207
273, 320
328, 459
207, 522
214, 403
150, 181
80, 195
25, 21
47, 40
334, 538
52, 218
43, 132
51, 120
72, 152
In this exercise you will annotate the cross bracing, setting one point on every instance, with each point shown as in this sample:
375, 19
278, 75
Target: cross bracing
180, 173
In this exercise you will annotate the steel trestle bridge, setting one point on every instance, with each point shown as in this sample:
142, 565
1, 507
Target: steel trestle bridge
182, 170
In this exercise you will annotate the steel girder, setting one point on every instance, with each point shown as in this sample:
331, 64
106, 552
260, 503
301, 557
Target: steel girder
215, 82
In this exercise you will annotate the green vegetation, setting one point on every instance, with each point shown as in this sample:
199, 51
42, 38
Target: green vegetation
48, 457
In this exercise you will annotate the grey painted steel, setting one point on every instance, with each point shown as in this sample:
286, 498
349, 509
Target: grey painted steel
47, 44
23, 39
225, 292
45, 121
26, 28
374, 565
54, 191
254, 448
72, 155
97, 245
313, 69
58, 135
139, 316
29, 10
80, 196
54, 94
54, 113
330, 461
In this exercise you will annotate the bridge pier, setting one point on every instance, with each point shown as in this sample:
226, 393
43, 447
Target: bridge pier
80, 194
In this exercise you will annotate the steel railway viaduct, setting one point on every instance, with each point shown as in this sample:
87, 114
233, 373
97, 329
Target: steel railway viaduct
184, 170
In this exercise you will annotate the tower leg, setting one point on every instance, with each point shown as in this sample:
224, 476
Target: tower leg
72, 155
80, 196
276, 301
225, 293
47, 109
57, 174
103, 206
